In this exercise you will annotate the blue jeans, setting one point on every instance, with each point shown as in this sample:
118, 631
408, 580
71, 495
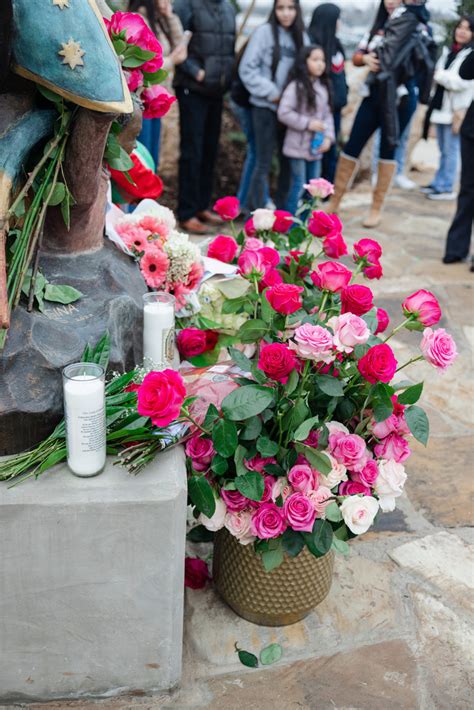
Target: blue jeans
150, 137
449, 145
406, 111
244, 117
301, 172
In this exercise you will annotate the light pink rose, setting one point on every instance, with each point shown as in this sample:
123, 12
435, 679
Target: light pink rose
238, 524
299, 512
320, 499
438, 348
319, 187
383, 429
349, 330
337, 473
251, 263
368, 475
282, 488
389, 484
303, 478
393, 447
349, 449
313, 342
268, 521
200, 451
359, 513
334, 426
253, 244
217, 521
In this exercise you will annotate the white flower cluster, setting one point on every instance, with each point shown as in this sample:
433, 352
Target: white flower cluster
182, 255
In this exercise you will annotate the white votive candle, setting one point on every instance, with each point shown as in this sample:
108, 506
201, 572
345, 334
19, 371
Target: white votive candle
158, 330
84, 411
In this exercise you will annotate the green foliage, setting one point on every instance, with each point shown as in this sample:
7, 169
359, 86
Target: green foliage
270, 654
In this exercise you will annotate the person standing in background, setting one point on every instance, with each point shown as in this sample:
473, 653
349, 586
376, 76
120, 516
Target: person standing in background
201, 82
459, 235
264, 68
322, 31
167, 28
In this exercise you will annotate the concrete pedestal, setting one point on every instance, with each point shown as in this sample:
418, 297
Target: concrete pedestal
91, 582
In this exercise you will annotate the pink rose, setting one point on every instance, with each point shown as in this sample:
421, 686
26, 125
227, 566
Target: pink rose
196, 573
374, 271
334, 245
349, 449
161, 396
438, 348
228, 208
134, 78
353, 488
320, 499
299, 512
382, 321
357, 299
268, 486
319, 187
383, 429
157, 100
312, 440
283, 221
378, 364
258, 463
282, 488
200, 451
393, 447
424, 306
239, 524
303, 478
249, 228
331, 276
193, 341
130, 23
321, 224
367, 250
270, 257
234, 500
277, 361
253, 244
223, 248
313, 342
271, 277
251, 264
349, 330
368, 475
268, 521
150, 43
285, 298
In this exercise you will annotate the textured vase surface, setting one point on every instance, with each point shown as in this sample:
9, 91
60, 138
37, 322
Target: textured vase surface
283, 596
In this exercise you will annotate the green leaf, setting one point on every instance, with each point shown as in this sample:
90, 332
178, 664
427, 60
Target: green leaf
411, 395
267, 311
296, 415
319, 541
340, 546
57, 195
371, 319
239, 456
201, 495
361, 350
383, 405
246, 658
304, 429
270, 654
66, 210
246, 402
240, 359
200, 534
333, 512
224, 437
120, 46
292, 383
382, 411
50, 95
101, 352
330, 385
272, 558
253, 330
156, 77
119, 383
418, 423
219, 465
233, 305
210, 357
207, 324
212, 415
266, 447
316, 458
252, 429
53, 459
251, 485
292, 542
61, 294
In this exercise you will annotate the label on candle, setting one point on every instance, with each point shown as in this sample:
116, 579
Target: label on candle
84, 401
168, 346
91, 430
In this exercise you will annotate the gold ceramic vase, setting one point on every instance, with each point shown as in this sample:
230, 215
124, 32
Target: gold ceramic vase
283, 596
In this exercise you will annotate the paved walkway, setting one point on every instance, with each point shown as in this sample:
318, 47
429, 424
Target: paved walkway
396, 629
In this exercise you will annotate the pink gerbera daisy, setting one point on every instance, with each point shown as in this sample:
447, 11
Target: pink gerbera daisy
154, 266
154, 226
195, 275
134, 237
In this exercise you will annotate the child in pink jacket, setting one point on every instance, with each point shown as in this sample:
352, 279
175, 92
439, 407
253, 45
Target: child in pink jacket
305, 108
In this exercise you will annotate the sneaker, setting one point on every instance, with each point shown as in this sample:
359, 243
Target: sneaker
404, 182
441, 195
427, 189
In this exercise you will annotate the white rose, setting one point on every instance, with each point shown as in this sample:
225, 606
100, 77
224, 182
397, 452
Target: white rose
263, 220
359, 513
389, 483
336, 475
217, 521
238, 524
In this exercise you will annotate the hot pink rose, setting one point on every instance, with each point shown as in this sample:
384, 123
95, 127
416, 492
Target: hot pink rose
303, 478
319, 187
196, 573
368, 250
378, 364
312, 440
268, 486
268, 521
157, 100
424, 306
161, 396
368, 475
234, 500
285, 298
313, 342
134, 78
382, 321
277, 361
271, 277
223, 248
357, 299
130, 23
321, 224
334, 245
349, 449
258, 463
251, 264
299, 512
270, 257
331, 276
393, 447
438, 348
320, 499
349, 330
283, 221
193, 341
150, 43
200, 451
249, 228
253, 244
227, 208
353, 488
374, 271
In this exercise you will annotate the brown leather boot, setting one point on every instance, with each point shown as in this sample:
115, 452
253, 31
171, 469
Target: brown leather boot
345, 173
385, 174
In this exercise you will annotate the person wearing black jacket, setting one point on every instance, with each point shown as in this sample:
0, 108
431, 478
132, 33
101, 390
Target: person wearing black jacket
459, 236
397, 59
200, 83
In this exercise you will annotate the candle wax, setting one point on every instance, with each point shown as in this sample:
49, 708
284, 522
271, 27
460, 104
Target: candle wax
84, 406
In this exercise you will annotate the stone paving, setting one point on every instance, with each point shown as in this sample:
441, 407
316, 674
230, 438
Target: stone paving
396, 630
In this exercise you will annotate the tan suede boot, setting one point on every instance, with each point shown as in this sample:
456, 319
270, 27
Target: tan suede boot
345, 173
386, 171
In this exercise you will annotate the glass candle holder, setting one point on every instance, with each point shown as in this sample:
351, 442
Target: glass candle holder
84, 411
158, 330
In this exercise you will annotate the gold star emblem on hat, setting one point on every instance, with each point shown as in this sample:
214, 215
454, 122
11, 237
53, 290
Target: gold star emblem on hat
72, 53
61, 3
